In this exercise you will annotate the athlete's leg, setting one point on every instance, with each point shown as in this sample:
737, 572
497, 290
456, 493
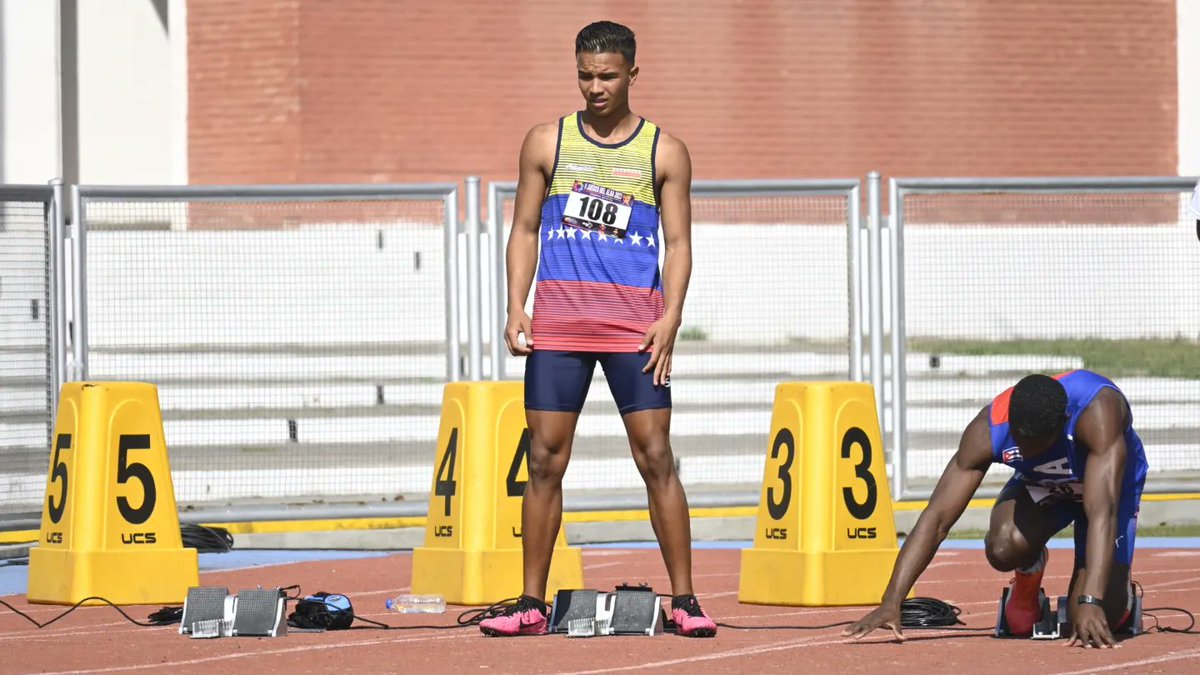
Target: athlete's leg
556, 385
1016, 540
646, 411
649, 441
550, 436
1020, 528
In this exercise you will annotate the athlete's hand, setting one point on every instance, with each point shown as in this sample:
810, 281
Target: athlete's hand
660, 339
1091, 628
519, 324
883, 616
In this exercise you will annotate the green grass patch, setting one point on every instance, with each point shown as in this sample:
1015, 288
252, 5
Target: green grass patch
1114, 358
693, 334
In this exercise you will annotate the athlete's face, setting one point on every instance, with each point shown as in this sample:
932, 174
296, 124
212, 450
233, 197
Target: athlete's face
604, 81
1032, 446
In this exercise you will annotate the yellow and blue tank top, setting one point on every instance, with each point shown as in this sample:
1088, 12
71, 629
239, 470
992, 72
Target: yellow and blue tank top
598, 283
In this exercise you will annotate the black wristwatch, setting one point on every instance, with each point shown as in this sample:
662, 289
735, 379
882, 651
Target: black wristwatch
1090, 600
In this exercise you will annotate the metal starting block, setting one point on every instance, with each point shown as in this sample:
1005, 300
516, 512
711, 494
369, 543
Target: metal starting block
628, 610
207, 612
260, 612
1056, 623
211, 612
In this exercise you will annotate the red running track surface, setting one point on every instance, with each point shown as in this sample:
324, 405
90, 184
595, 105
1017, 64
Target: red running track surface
98, 640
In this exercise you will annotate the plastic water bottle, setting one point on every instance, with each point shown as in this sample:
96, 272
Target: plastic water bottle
416, 604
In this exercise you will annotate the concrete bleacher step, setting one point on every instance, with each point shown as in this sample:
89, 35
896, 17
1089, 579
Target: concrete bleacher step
26, 396
240, 423
320, 426
768, 361
215, 367
367, 470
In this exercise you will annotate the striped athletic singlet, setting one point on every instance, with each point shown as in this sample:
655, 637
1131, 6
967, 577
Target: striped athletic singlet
1059, 471
598, 283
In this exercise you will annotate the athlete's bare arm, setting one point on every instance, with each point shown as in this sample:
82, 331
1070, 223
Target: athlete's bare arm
536, 165
1101, 429
674, 168
954, 490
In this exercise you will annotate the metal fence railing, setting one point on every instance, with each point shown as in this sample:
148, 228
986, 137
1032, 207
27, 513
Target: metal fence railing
30, 338
299, 335
775, 295
992, 279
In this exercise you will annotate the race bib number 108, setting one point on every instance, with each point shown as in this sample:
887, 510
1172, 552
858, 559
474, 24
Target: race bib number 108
594, 207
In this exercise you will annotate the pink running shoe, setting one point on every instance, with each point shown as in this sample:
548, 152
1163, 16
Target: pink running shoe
690, 620
527, 617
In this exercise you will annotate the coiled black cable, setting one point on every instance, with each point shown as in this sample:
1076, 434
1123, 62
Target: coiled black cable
206, 539
928, 613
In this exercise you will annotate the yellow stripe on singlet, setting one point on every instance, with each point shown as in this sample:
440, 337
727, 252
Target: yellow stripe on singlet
627, 167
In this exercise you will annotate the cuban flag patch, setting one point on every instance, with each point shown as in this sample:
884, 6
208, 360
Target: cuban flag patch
1011, 455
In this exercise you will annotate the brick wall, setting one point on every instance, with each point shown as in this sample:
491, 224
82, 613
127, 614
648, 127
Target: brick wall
244, 92
386, 90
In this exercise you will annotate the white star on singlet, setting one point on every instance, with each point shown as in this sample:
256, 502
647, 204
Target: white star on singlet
636, 239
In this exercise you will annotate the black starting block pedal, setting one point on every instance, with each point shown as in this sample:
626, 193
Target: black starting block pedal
207, 612
628, 610
572, 605
1055, 624
636, 612
1134, 625
260, 612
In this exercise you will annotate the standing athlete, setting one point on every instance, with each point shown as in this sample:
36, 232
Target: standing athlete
1049, 430
592, 188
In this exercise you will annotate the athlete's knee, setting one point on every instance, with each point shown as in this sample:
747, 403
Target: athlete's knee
547, 464
546, 470
655, 461
1006, 548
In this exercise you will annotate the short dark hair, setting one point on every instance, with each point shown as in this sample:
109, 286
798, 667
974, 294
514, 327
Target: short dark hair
605, 36
1038, 406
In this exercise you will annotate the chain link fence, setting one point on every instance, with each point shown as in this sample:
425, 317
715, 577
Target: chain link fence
299, 336
1001, 278
28, 367
773, 298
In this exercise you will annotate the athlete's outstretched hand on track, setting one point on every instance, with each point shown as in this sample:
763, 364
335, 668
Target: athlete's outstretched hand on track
519, 324
1091, 629
883, 616
660, 339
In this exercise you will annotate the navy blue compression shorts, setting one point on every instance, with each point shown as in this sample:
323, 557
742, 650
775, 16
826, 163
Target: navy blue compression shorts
558, 381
